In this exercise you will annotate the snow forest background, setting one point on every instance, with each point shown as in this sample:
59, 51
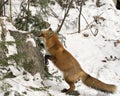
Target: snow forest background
88, 29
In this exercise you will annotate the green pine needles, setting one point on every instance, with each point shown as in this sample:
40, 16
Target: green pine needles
33, 23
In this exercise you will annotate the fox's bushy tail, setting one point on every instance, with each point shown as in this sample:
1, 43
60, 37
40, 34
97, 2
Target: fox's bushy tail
97, 84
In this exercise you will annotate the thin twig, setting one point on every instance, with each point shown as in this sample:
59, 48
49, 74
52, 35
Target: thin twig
53, 13
59, 27
88, 26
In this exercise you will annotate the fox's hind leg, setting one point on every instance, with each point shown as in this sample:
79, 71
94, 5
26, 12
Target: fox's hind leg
70, 91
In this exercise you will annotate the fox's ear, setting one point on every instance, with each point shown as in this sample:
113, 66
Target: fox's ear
50, 29
50, 33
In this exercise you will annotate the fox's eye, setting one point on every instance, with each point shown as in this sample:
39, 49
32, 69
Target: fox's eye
50, 33
40, 35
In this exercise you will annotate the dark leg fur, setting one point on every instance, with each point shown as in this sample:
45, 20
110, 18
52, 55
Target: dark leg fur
46, 59
42, 45
50, 57
118, 4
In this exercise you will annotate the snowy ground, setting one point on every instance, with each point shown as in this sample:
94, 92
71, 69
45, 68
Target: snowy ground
90, 51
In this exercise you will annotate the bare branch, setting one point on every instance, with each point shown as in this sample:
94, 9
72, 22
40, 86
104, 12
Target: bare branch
52, 13
80, 12
3, 5
88, 26
60, 26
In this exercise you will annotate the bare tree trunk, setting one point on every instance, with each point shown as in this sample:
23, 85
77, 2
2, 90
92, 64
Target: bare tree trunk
4, 8
1, 7
59, 27
3, 48
79, 20
11, 10
28, 5
28, 10
33, 60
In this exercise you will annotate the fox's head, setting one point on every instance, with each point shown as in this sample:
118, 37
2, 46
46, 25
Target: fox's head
46, 34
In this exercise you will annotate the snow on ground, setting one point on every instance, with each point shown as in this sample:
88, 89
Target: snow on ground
89, 51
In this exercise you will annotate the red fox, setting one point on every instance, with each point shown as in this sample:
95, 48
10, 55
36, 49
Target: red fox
70, 67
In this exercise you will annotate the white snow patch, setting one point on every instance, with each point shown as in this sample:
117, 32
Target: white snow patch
29, 39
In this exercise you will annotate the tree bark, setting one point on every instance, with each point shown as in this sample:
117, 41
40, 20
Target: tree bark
79, 17
1, 7
33, 60
11, 10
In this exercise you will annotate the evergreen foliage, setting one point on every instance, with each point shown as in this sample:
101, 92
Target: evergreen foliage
3, 62
14, 57
33, 23
44, 3
5, 87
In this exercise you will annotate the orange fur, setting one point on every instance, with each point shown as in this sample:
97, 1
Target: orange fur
70, 67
